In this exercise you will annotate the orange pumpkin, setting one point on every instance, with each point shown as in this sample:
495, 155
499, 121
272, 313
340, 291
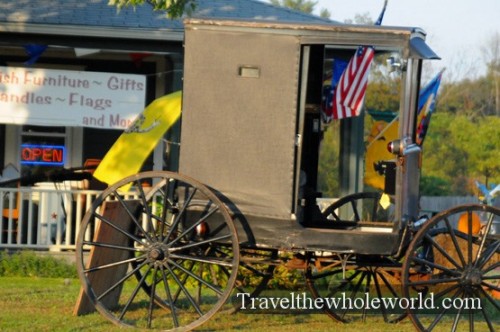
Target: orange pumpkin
495, 294
463, 222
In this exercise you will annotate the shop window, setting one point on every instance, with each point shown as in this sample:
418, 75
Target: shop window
42, 151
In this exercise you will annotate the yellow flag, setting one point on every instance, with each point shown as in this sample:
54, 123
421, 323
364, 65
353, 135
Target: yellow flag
381, 134
131, 149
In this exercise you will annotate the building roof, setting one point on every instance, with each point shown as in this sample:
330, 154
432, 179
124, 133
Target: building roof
98, 14
99, 25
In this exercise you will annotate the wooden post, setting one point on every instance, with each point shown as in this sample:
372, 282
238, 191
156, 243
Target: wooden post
104, 279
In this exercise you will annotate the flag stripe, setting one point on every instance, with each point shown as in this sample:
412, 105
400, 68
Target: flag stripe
347, 94
359, 80
350, 92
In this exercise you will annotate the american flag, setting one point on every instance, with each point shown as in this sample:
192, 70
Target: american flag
347, 96
350, 91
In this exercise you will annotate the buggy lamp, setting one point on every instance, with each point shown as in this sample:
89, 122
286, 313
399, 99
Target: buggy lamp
401, 148
395, 147
395, 63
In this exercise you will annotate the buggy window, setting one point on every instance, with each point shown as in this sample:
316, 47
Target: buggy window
352, 155
378, 121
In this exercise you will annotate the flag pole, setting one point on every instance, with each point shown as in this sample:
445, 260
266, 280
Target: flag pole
381, 16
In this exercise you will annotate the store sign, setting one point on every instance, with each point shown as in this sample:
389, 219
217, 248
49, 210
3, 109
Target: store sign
70, 98
39, 154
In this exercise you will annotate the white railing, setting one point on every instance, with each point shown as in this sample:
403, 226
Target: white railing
46, 219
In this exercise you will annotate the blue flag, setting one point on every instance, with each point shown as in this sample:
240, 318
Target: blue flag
34, 51
338, 67
427, 106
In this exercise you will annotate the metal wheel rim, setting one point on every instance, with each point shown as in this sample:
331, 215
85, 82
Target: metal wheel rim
173, 257
352, 202
453, 271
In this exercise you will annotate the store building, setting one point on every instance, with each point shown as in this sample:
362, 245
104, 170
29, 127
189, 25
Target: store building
74, 74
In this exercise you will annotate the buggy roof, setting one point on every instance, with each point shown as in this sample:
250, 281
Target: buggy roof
383, 37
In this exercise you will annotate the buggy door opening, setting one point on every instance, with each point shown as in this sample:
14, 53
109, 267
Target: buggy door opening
348, 156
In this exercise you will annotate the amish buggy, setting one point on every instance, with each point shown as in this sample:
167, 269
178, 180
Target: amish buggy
168, 250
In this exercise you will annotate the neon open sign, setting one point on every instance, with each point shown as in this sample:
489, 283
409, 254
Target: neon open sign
39, 154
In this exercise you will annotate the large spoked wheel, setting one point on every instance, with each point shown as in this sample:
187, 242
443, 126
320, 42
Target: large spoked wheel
164, 252
458, 264
356, 207
353, 286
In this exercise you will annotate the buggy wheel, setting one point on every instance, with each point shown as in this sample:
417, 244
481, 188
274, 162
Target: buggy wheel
458, 270
181, 244
355, 208
255, 271
353, 286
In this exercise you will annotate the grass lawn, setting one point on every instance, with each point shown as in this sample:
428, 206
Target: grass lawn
46, 304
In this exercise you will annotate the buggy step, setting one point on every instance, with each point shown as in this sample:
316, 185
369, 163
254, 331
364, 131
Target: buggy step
368, 225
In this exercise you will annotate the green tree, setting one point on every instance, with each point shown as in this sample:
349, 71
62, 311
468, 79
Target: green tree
459, 150
328, 168
325, 13
468, 97
382, 92
306, 6
442, 158
481, 142
434, 186
176, 8
491, 52
364, 19
173, 8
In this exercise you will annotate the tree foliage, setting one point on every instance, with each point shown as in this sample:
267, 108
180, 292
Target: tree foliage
176, 8
173, 8
328, 168
463, 139
459, 151
306, 6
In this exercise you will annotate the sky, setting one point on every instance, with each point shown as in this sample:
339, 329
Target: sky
456, 29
